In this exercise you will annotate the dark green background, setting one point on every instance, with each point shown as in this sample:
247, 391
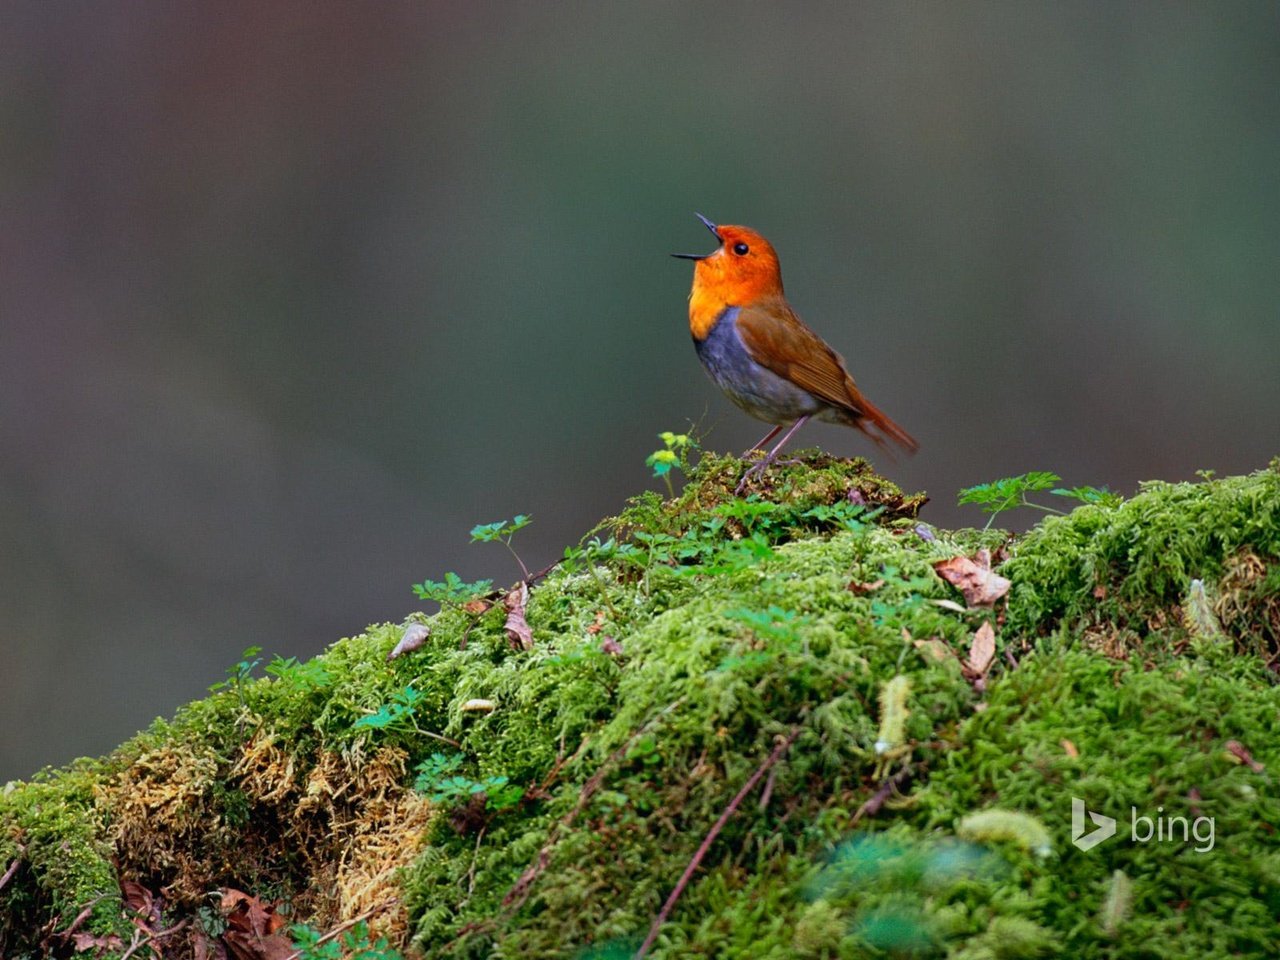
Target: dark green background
292, 295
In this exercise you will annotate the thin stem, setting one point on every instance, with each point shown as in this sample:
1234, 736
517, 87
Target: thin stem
1037, 506
714, 832
13, 868
604, 593
344, 926
523, 569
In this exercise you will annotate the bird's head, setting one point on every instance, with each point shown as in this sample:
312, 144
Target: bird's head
742, 270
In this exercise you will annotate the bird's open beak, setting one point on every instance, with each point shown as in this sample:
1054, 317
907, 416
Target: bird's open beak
700, 256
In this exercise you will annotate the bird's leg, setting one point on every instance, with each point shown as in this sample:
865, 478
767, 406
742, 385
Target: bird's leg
758, 469
759, 444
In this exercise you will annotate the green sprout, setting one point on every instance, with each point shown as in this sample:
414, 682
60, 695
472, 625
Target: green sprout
501, 532
674, 454
1011, 492
240, 673
453, 591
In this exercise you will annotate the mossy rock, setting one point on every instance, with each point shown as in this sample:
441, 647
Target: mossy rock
475, 798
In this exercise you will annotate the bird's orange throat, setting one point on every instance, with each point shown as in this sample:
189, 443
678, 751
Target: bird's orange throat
722, 280
705, 308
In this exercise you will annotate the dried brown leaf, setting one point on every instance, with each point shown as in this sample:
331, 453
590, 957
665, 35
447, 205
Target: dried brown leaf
414, 636
934, 648
140, 900
83, 942
611, 646
1070, 748
253, 928
861, 588
1241, 753
973, 577
476, 607
982, 650
517, 627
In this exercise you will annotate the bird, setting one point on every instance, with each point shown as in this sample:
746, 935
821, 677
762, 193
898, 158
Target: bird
762, 355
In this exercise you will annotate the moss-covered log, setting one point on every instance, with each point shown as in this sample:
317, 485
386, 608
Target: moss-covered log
474, 798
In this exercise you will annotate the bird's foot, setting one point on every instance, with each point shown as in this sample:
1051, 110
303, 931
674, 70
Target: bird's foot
753, 472
756, 471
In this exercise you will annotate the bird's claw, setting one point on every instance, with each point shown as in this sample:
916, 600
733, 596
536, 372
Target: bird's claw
755, 471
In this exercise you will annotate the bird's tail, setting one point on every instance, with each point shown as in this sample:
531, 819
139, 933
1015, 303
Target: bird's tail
873, 416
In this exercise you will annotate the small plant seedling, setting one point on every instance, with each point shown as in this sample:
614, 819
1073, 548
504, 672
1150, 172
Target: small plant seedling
353, 944
501, 532
1011, 492
439, 778
398, 712
674, 455
240, 673
453, 591
301, 677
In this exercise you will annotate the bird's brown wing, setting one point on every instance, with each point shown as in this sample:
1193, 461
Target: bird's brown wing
779, 341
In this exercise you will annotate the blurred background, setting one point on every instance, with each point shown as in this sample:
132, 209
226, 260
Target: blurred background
292, 295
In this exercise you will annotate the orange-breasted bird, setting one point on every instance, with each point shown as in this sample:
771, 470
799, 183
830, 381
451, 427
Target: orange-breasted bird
762, 355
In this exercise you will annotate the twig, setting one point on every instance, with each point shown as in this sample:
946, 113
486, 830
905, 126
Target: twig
872, 805
540, 791
493, 596
136, 944
13, 868
82, 916
438, 736
471, 873
529, 579
714, 832
767, 793
344, 926
151, 938
519, 891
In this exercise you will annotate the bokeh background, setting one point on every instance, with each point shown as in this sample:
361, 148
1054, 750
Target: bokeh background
293, 294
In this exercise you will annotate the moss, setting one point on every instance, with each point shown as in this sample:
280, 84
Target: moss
1127, 570
913, 809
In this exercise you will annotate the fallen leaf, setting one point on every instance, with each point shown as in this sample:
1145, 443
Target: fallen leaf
973, 577
517, 627
934, 648
84, 942
861, 588
414, 636
950, 605
1070, 748
476, 607
1238, 750
1100, 592
982, 650
598, 625
252, 928
136, 896
141, 901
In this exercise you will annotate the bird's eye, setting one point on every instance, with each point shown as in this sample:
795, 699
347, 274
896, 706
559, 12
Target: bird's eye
740, 249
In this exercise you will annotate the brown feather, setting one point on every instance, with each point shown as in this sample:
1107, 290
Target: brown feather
778, 340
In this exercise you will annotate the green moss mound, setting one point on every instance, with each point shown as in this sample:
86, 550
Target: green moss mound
775, 696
